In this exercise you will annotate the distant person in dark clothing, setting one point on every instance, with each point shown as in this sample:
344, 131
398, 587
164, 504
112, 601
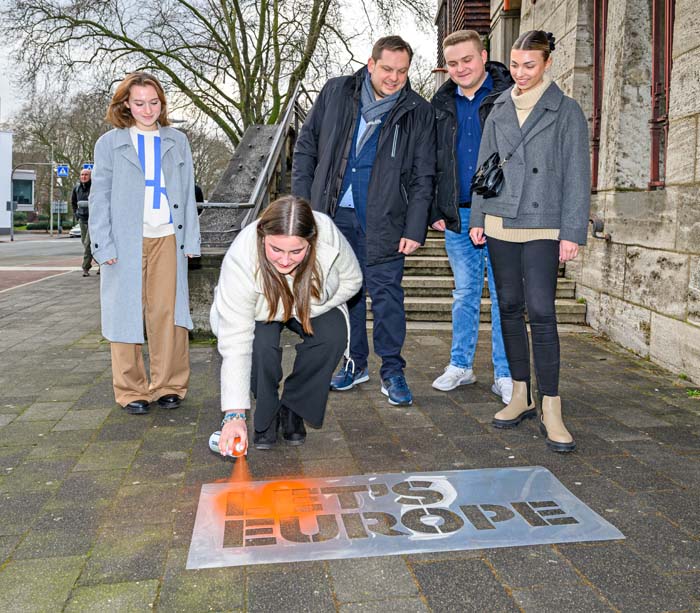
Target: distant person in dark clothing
79, 201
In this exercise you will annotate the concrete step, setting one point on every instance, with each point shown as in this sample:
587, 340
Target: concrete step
432, 265
432, 247
427, 285
423, 308
435, 265
441, 286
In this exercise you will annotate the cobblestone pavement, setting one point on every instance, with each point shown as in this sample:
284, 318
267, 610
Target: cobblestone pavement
97, 507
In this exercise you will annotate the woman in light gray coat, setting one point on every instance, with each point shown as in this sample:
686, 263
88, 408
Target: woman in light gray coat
143, 228
538, 220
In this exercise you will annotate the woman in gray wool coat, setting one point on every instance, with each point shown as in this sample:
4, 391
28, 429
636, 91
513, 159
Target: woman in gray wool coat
538, 220
143, 228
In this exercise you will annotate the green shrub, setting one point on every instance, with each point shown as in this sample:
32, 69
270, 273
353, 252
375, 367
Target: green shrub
44, 225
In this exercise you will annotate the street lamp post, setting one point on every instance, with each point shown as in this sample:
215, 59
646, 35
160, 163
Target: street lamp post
51, 196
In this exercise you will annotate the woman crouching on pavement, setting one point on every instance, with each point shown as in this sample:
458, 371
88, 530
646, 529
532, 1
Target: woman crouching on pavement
292, 269
538, 220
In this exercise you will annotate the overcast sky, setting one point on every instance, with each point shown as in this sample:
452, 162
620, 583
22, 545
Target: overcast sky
9, 100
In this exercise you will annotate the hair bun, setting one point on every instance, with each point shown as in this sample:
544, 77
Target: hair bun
551, 39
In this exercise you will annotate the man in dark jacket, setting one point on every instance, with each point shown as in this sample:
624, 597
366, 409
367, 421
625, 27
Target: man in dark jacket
366, 157
79, 202
461, 107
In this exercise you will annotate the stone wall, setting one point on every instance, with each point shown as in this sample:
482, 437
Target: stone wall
643, 287
571, 22
624, 135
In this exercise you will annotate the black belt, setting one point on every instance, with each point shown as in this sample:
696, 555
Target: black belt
465, 205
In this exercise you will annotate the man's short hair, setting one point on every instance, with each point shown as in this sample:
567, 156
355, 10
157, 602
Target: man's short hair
463, 36
391, 43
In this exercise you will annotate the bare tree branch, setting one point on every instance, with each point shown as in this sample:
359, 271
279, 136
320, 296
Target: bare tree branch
231, 60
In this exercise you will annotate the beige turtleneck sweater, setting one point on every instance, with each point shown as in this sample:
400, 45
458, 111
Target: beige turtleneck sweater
493, 226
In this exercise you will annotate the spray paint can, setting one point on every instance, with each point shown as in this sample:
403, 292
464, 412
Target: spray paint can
239, 448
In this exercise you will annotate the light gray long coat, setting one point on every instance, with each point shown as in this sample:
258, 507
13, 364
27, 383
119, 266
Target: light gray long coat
116, 227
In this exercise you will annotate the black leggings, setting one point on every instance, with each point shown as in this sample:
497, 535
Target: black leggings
526, 275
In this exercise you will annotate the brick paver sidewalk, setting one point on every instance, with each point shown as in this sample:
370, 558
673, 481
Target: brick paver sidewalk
97, 507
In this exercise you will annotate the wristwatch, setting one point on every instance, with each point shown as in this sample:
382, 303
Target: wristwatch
231, 416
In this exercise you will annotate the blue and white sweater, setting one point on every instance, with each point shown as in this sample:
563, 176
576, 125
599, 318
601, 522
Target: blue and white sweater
157, 219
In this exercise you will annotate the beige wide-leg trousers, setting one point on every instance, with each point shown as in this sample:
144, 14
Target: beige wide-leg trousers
168, 344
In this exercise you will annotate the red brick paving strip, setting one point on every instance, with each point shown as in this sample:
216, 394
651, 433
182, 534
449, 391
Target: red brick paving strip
10, 279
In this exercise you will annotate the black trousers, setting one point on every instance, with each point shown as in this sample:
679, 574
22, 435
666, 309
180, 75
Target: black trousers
526, 275
306, 388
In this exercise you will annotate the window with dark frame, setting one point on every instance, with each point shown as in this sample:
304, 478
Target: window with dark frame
600, 19
662, 18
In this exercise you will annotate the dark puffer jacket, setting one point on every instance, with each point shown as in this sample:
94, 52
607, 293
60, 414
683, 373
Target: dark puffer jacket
402, 183
81, 192
446, 202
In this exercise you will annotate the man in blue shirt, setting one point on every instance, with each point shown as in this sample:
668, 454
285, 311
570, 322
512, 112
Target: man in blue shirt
461, 107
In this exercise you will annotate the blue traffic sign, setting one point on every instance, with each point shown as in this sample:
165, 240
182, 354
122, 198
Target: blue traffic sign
62, 170
88, 166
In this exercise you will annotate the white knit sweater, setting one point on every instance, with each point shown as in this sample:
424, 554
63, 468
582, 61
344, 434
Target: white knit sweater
239, 301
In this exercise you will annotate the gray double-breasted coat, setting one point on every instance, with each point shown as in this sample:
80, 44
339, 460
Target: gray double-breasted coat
116, 227
548, 179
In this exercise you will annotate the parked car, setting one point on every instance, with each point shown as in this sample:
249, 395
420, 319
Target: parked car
75, 231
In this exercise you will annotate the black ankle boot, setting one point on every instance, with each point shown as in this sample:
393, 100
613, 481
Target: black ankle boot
267, 438
293, 429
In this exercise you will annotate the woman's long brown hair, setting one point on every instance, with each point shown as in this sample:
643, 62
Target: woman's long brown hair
290, 216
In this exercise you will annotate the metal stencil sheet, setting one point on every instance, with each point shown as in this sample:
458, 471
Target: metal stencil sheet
262, 522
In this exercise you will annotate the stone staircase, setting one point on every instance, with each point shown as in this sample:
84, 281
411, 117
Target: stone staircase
428, 288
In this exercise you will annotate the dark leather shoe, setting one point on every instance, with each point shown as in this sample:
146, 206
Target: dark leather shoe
293, 429
267, 438
170, 401
138, 407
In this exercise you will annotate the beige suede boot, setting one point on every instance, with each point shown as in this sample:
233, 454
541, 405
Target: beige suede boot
517, 409
552, 426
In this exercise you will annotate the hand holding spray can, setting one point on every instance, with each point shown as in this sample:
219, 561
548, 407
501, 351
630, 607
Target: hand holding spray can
239, 448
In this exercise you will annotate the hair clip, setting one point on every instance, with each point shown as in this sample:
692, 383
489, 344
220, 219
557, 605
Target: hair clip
551, 39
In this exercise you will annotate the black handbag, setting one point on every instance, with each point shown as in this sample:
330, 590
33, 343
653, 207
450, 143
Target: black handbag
488, 179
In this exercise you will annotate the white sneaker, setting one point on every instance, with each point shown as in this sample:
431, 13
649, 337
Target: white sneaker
454, 377
503, 387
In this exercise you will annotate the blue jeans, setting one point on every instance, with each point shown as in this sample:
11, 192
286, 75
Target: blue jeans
383, 284
467, 263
